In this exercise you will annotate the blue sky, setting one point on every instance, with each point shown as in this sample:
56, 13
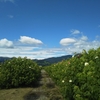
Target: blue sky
41, 29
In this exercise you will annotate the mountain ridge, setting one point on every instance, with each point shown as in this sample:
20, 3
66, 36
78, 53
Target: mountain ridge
43, 62
52, 60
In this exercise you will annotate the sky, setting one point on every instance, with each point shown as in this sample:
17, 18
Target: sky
39, 29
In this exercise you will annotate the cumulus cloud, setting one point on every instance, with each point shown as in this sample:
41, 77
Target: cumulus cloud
75, 31
79, 44
69, 46
67, 41
30, 41
12, 1
31, 49
4, 43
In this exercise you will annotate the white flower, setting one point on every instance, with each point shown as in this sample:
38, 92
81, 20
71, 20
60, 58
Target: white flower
96, 57
63, 81
86, 64
70, 81
29, 67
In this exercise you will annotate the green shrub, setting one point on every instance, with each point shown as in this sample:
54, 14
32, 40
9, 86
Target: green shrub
78, 77
18, 72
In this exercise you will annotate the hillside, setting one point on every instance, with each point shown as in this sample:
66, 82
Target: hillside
2, 59
52, 60
44, 62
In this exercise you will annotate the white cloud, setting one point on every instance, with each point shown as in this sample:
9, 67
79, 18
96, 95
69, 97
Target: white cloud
10, 16
80, 44
29, 40
12, 1
75, 31
31, 52
70, 46
6, 43
67, 41
84, 38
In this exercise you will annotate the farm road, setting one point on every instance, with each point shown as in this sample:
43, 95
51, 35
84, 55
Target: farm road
46, 90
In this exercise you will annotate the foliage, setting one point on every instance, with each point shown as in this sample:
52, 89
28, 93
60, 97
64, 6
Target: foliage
18, 72
78, 77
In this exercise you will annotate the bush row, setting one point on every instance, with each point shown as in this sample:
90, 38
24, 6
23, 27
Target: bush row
18, 72
78, 77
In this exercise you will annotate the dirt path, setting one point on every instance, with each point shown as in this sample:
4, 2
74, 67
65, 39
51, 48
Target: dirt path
46, 89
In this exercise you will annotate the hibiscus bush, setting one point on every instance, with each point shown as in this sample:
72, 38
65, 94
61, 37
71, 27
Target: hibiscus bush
18, 72
78, 77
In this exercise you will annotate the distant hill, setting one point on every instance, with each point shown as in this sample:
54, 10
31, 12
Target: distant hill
52, 60
2, 59
43, 62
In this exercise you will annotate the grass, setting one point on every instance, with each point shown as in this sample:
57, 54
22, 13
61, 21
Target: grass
30, 94
14, 94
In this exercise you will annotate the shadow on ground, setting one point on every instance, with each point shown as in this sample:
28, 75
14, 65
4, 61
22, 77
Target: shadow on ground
35, 96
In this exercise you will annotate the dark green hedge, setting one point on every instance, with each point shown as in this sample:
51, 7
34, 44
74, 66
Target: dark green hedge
18, 72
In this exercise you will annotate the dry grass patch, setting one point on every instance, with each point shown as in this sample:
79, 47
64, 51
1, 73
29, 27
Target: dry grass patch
14, 94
